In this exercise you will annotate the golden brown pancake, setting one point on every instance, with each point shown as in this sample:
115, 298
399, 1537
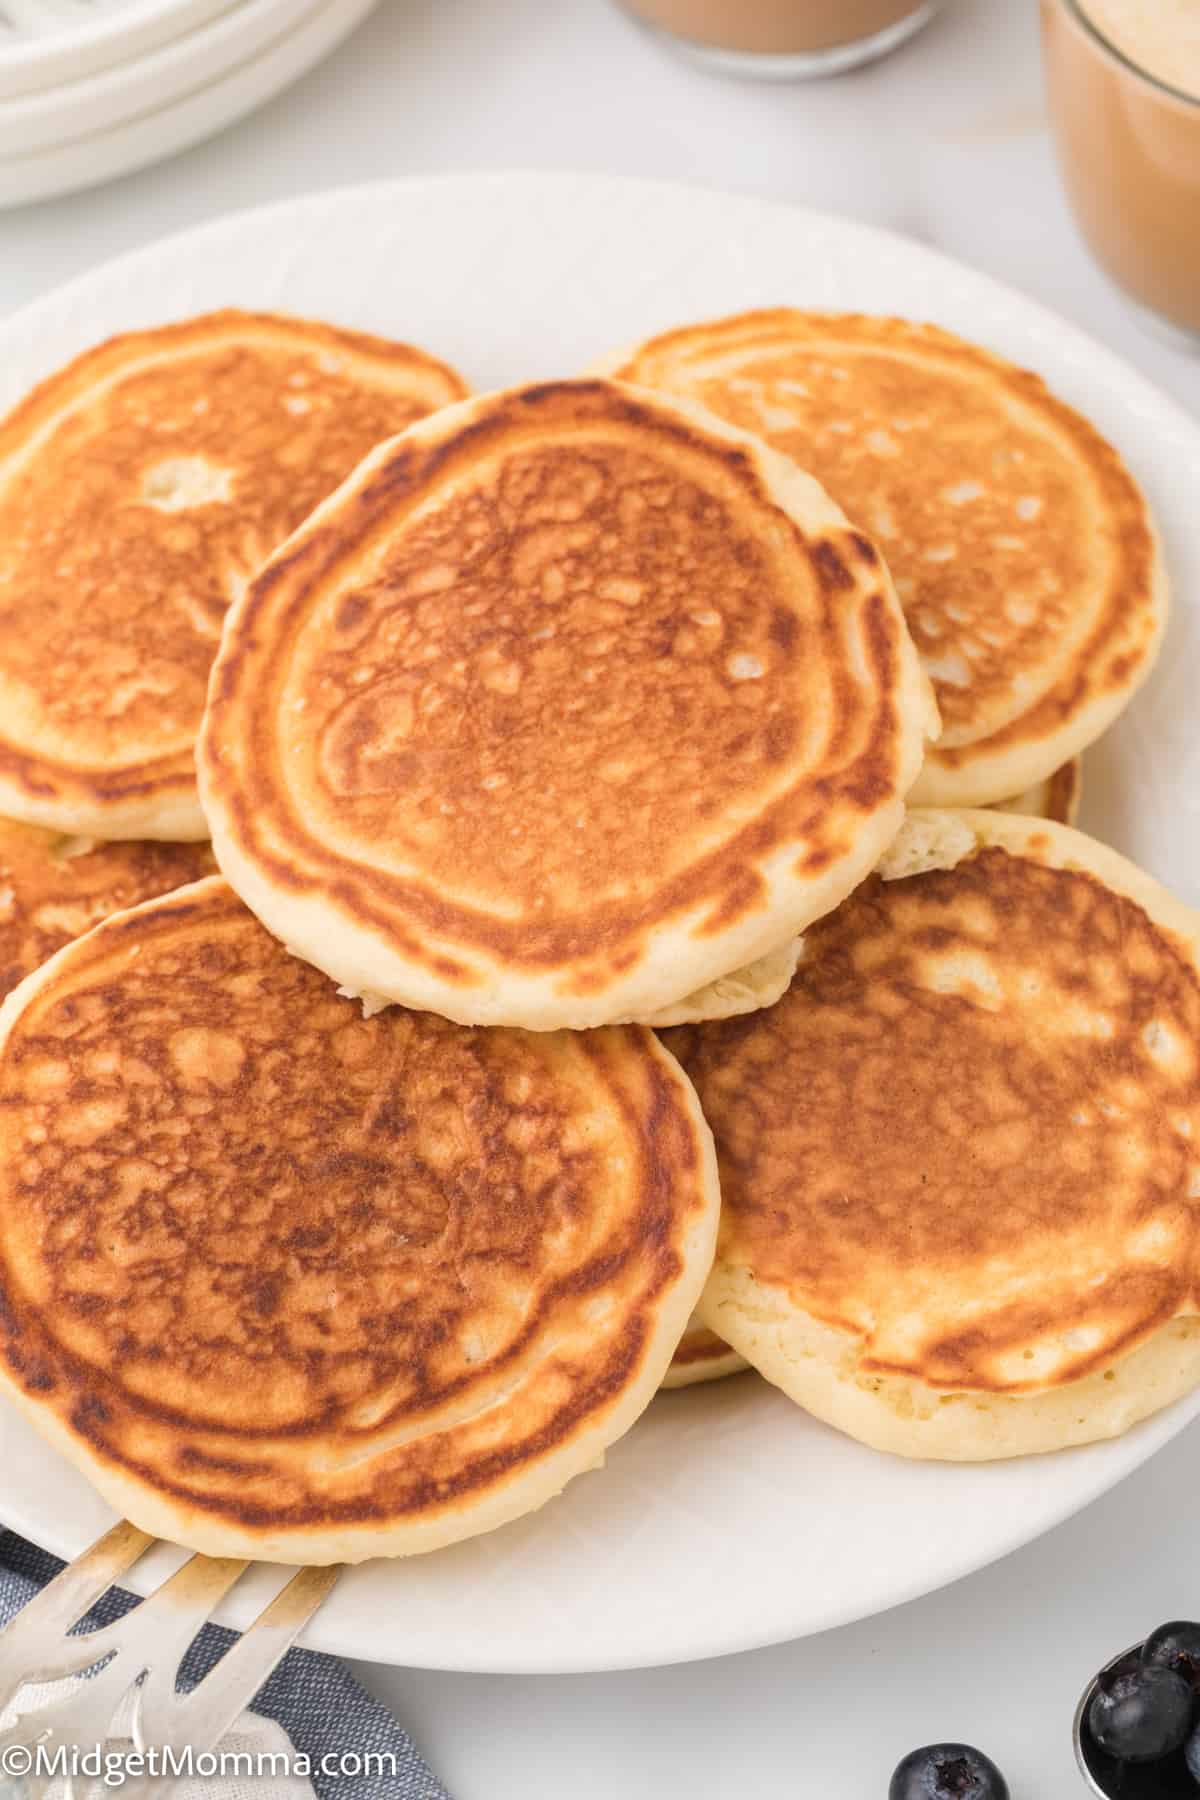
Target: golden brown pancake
701, 1356
960, 1159
140, 487
1023, 552
1057, 798
54, 888
290, 1283
571, 703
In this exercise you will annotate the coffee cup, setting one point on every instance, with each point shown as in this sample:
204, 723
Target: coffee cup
783, 38
1123, 86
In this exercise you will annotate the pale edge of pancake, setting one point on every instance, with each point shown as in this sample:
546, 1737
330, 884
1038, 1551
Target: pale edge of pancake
682, 964
692, 1370
1058, 797
747, 990
170, 812
993, 779
179, 1522
171, 818
818, 1365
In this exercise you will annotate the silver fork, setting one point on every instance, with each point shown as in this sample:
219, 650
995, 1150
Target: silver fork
142, 1648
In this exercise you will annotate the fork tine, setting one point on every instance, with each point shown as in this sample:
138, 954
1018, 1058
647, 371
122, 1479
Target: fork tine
152, 1635
159, 1630
150, 1639
50, 1615
198, 1721
163, 1625
79, 1716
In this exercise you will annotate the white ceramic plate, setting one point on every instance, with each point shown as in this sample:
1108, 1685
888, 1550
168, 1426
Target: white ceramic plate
727, 1518
195, 97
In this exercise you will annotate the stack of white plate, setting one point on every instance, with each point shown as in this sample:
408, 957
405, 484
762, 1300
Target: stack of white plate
90, 89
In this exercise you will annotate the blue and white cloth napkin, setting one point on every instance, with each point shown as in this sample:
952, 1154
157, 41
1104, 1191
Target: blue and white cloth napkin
311, 1704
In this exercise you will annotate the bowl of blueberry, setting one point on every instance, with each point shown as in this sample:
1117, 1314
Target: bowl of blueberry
1137, 1733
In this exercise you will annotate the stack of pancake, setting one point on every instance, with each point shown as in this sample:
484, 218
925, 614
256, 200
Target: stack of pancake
649, 937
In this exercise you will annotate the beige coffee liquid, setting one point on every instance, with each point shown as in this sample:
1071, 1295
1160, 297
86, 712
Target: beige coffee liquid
775, 27
1130, 151
1160, 36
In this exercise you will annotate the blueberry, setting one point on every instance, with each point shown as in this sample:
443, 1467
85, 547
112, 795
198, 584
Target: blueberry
1176, 1646
1140, 1714
1191, 1755
947, 1772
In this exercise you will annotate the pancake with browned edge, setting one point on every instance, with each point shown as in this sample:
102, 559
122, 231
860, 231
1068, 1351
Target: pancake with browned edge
572, 705
140, 487
286, 1282
960, 1159
54, 888
1021, 547
701, 1356
1057, 798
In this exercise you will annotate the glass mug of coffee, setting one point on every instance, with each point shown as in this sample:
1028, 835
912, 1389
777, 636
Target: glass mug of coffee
785, 38
1123, 82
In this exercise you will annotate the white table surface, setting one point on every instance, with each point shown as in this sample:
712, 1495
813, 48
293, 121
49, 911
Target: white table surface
945, 141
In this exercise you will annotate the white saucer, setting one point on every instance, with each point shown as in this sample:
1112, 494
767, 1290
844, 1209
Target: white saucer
45, 46
223, 91
61, 117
